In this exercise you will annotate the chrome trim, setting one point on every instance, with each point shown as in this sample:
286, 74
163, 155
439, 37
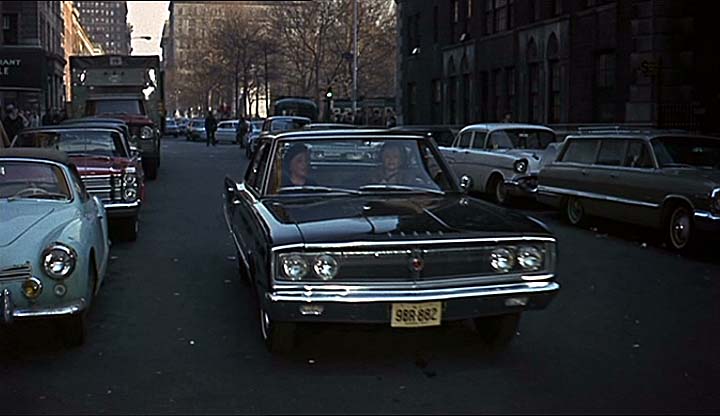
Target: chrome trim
17, 272
714, 196
67, 250
348, 294
117, 205
707, 215
7, 306
550, 190
67, 309
313, 246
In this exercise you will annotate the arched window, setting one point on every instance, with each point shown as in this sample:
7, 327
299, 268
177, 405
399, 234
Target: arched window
554, 104
465, 88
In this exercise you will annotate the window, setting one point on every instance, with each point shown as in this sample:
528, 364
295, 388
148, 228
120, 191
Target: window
469, 9
534, 101
436, 101
555, 104
464, 142
10, 29
254, 174
456, 10
489, 27
479, 141
498, 92
637, 156
604, 96
435, 25
500, 15
412, 102
558, 7
510, 88
611, 152
580, 151
605, 70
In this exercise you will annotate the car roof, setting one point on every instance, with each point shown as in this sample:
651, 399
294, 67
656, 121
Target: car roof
79, 126
489, 127
93, 120
646, 135
424, 127
343, 133
272, 118
51, 155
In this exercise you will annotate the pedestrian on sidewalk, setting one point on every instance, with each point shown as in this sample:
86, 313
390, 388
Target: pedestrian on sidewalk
14, 121
210, 127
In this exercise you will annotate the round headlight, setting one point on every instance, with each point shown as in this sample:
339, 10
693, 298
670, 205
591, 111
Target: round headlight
294, 267
146, 132
130, 194
130, 179
715, 197
502, 260
521, 166
325, 267
529, 258
31, 288
59, 261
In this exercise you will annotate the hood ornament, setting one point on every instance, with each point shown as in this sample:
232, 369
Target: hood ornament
416, 263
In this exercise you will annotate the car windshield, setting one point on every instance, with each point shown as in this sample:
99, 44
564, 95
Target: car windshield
357, 166
75, 142
520, 139
32, 180
256, 125
687, 152
170, 123
131, 106
287, 124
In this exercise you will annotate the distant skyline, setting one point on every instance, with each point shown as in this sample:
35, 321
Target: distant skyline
147, 19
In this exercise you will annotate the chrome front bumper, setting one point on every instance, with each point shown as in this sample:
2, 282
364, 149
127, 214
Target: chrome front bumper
121, 210
372, 305
10, 312
525, 186
707, 222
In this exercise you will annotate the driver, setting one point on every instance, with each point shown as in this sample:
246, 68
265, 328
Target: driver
393, 170
296, 166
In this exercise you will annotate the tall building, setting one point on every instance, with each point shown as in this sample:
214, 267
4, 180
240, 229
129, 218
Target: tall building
188, 27
106, 22
76, 41
558, 62
32, 59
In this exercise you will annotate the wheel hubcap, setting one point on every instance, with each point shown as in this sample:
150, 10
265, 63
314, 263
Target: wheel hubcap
575, 210
680, 228
500, 192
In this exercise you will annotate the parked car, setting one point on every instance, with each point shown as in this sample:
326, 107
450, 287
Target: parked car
183, 125
442, 134
665, 180
278, 124
502, 159
253, 134
54, 241
171, 127
339, 237
196, 130
227, 131
110, 169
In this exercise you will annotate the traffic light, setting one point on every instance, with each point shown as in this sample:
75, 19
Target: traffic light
329, 93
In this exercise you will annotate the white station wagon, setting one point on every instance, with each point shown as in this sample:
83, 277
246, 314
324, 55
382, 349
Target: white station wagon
501, 159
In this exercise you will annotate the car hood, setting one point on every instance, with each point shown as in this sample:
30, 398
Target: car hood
711, 176
94, 165
24, 217
381, 218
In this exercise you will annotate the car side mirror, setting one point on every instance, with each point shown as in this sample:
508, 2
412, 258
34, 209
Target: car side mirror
466, 183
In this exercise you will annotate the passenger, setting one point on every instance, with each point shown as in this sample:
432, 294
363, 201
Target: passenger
394, 170
296, 166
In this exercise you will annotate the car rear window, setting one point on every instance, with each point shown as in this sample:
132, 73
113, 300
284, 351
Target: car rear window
580, 151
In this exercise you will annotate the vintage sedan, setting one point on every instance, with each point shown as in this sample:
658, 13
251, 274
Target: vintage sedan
109, 167
381, 233
502, 159
660, 179
54, 241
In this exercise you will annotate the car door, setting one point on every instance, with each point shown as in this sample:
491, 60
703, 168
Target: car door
571, 174
225, 131
608, 181
457, 157
476, 161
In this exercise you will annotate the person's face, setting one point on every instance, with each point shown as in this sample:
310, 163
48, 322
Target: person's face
300, 165
391, 159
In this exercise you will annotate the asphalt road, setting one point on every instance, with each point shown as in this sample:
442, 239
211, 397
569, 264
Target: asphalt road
635, 329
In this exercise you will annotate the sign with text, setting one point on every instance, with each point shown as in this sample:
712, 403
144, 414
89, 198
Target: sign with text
22, 68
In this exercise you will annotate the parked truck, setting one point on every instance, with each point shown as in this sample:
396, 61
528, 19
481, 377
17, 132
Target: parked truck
129, 88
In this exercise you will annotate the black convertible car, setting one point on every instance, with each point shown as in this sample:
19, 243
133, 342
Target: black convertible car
371, 226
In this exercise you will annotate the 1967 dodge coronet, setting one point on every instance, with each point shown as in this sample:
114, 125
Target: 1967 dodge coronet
370, 226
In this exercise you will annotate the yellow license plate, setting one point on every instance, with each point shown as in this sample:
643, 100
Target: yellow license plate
414, 315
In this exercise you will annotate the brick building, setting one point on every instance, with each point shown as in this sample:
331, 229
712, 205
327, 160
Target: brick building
558, 62
106, 22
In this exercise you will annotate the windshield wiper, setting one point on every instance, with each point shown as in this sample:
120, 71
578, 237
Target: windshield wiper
314, 188
403, 188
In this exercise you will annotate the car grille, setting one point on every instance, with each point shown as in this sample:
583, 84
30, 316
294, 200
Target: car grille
101, 186
19, 272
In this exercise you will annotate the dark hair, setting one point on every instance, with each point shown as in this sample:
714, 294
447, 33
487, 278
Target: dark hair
294, 150
389, 145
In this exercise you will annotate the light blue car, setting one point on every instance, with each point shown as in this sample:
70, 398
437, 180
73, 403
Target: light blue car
53, 241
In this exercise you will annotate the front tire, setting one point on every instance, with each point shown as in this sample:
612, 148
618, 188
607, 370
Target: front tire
279, 337
679, 229
496, 187
574, 211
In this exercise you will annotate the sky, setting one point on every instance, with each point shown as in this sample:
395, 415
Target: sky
147, 19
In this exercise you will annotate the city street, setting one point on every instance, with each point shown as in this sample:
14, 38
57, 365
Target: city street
173, 330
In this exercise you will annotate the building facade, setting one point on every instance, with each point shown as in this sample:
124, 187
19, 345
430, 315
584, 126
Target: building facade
187, 29
557, 62
106, 22
32, 59
75, 42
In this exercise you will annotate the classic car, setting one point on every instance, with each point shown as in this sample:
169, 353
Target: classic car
384, 236
109, 168
664, 180
171, 127
502, 159
54, 241
278, 124
227, 131
255, 128
196, 130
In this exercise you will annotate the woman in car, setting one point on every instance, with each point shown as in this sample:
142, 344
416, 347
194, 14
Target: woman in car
296, 166
394, 169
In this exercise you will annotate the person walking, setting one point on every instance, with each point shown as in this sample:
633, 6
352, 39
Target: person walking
210, 126
14, 121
